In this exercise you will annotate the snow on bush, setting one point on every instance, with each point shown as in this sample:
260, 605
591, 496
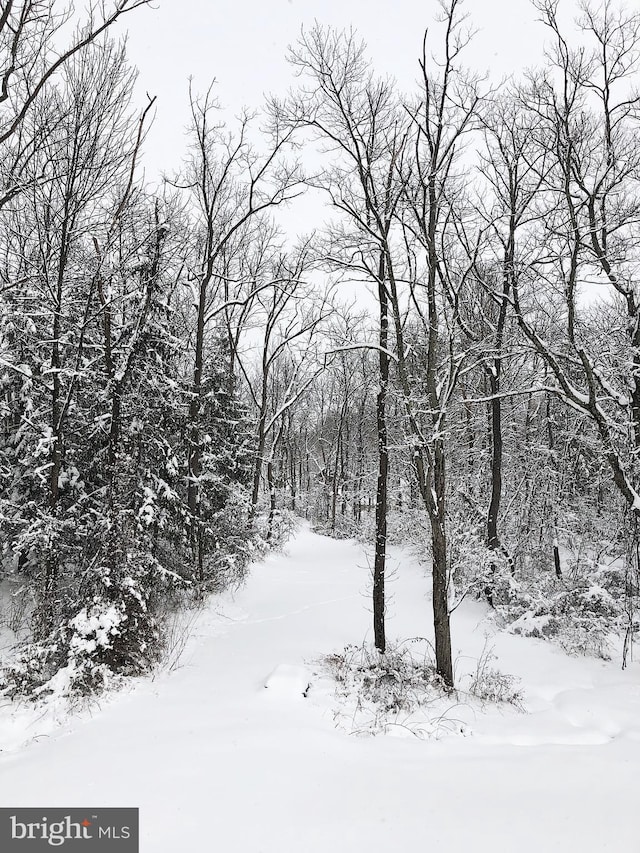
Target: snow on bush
95, 627
579, 611
399, 690
80, 656
579, 615
491, 685
114, 634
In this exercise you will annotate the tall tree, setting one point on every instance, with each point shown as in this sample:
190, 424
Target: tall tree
357, 117
233, 187
443, 113
587, 111
33, 49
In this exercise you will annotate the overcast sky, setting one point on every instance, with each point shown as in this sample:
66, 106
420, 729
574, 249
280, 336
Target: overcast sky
242, 44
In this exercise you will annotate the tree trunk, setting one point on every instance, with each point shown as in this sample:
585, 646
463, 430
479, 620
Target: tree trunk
495, 434
440, 586
51, 568
272, 499
379, 564
194, 462
257, 470
554, 490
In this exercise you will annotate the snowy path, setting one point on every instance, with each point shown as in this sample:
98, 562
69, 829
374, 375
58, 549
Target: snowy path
216, 762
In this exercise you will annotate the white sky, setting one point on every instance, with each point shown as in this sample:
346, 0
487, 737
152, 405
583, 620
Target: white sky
243, 46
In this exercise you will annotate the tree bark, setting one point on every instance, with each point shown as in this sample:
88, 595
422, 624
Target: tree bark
379, 565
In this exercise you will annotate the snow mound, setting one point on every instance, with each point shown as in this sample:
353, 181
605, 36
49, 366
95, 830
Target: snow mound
289, 681
611, 710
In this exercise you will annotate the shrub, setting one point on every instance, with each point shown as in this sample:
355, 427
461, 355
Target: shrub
579, 616
491, 685
399, 690
111, 631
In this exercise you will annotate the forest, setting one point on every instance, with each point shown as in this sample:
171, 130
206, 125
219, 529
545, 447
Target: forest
447, 358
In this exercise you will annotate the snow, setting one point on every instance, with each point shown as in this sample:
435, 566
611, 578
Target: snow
290, 681
95, 627
225, 752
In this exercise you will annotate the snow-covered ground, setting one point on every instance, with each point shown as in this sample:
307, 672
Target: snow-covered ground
217, 762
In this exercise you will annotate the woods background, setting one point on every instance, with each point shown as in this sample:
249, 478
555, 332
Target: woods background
181, 375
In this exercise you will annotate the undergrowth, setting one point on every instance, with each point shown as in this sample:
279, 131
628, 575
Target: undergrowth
401, 690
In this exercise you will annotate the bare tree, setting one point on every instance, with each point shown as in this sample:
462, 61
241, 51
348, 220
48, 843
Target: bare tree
232, 186
33, 50
514, 168
443, 113
357, 117
588, 111
287, 361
